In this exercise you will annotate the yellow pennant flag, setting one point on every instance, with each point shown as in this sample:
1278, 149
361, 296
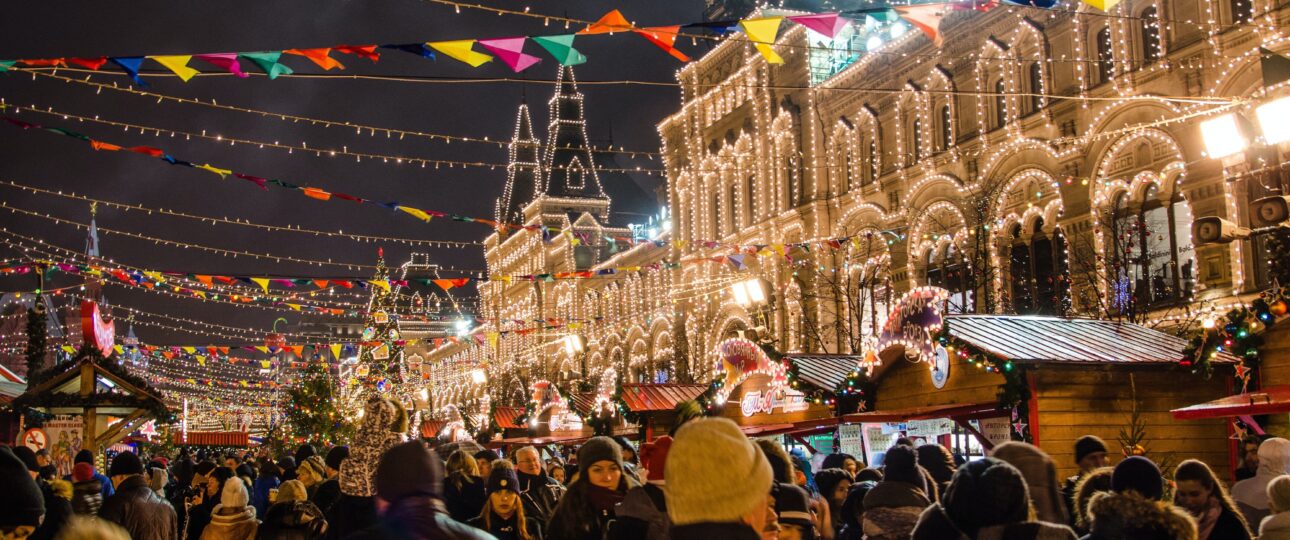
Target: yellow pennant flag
156, 276
189, 350
178, 64
762, 33
335, 350
221, 172
383, 284
295, 307
1104, 5
461, 50
492, 339
201, 360
265, 364
262, 282
419, 214
262, 349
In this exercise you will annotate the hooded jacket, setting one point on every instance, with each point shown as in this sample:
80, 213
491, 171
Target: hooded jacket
641, 516
891, 510
1040, 474
140, 511
292, 520
934, 524
1251, 494
1275, 527
231, 524
374, 437
1129, 516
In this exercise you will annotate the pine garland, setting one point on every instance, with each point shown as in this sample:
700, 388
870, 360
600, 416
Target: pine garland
37, 340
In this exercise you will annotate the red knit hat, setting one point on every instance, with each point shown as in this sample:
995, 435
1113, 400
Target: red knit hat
82, 472
654, 456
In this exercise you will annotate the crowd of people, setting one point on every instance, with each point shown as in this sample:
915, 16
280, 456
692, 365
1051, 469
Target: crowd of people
704, 481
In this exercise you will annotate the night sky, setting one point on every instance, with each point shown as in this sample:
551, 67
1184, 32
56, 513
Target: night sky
624, 114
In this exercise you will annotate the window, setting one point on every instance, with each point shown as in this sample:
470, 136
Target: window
947, 269
1150, 36
917, 139
1151, 252
1105, 60
873, 296
796, 186
749, 198
947, 128
1242, 11
1000, 104
1037, 271
1036, 87
873, 162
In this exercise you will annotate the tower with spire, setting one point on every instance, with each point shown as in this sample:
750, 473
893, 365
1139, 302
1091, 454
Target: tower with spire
523, 173
570, 168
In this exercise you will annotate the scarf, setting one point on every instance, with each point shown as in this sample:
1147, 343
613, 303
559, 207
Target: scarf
602, 499
1208, 518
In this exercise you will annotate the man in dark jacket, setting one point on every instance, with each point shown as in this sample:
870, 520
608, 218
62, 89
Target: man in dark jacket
1090, 455
135, 506
538, 492
86, 456
409, 486
718, 483
328, 491
21, 504
57, 509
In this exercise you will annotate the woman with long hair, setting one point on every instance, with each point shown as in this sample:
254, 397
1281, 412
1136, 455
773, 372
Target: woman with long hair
503, 513
600, 484
1205, 498
463, 489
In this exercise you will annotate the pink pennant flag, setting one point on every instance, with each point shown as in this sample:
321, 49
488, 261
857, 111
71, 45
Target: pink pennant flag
226, 61
828, 24
511, 51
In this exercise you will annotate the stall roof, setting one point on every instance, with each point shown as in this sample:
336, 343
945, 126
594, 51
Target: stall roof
213, 438
957, 411
1271, 400
1084, 341
583, 402
506, 416
825, 371
659, 397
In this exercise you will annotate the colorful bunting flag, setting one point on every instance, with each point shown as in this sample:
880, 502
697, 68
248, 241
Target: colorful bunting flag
315, 193
461, 50
225, 61
89, 63
6, 64
511, 51
216, 170
826, 24
267, 61
130, 64
1104, 5
178, 64
665, 38
318, 56
611, 22
361, 51
262, 282
335, 350
928, 18
419, 214
561, 48
762, 33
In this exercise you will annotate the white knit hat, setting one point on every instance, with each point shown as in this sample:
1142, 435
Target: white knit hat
714, 474
234, 495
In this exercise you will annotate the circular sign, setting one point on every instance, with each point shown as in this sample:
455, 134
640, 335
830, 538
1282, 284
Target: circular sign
35, 439
940, 367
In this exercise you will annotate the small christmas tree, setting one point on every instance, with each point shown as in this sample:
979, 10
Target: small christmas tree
312, 414
36, 341
380, 357
1133, 438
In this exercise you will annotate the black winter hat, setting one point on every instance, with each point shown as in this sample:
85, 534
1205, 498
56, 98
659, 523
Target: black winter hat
503, 477
27, 457
792, 504
125, 463
828, 479
204, 468
901, 465
1088, 444
336, 455
853, 505
986, 492
407, 470
1138, 474
598, 449
485, 455
305, 452
21, 502
84, 456
836, 461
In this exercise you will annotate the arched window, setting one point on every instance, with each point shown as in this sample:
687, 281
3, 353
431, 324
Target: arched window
947, 269
873, 296
1105, 59
1000, 104
917, 139
1150, 36
873, 162
1037, 270
947, 128
1151, 252
1242, 11
749, 200
1036, 87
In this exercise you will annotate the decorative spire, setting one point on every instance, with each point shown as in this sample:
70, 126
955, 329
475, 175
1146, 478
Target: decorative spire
92, 239
570, 169
523, 171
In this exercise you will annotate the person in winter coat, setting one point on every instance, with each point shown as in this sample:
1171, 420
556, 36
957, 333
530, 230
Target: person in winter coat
1277, 525
938, 462
87, 494
234, 517
57, 509
892, 507
88, 528
269, 479
718, 483
485, 458
409, 489
311, 472
643, 512
135, 506
463, 490
588, 506
328, 492
1201, 493
503, 513
793, 512
833, 485
384, 423
203, 504
287, 468
539, 492
1251, 495
86, 456
22, 505
846, 462
1090, 455
305, 451
1041, 478
1098, 481
852, 514
158, 479
986, 500
292, 516
1133, 510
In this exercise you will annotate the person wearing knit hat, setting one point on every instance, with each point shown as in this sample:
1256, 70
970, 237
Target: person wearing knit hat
86, 495
851, 518
1090, 455
643, 512
1134, 509
589, 503
326, 494
484, 461
503, 515
717, 482
833, 485
1041, 479
86, 456
22, 506
234, 517
793, 512
135, 506
892, 507
1251, 494
57, 509
292, 515
1138, 474
1277, 525
409, 489
987, 498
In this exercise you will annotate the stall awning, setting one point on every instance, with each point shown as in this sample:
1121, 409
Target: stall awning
1054, 339
1271, 400
506, 416
659, 397
213, 438
968, 411
583, 402
824, 371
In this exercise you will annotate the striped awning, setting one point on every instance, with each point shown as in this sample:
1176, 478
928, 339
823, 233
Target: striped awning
659, 397
506, 416
824, 371
1085, 341
583, 402
213, 438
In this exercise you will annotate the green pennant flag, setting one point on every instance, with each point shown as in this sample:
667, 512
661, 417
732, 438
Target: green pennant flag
6, 64
68, 133
561, 48
268, 62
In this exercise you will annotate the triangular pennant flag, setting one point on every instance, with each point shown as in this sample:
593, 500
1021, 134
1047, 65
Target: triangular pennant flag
561, 48
610, 22
267, 61
511, 51
665, 38
6, 64
738, 261
826, 24
177, 64
927, 17
320, 283
100, 145
1104, 5
461, 50
297, 350
492, 339
418, 49
226, 61
130, 64
414, 212
315, 193
382, 284
361, 51
445, 284
319, 56
89, 63
221, 172
762, 33
1276, 68
262, 282
335, 350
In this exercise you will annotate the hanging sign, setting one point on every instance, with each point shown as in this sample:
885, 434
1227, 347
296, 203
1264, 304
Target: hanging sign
850, 439
759, 402
996, 430
913, 322
96, 331
929, 429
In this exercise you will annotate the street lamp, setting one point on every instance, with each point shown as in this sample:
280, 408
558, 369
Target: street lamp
749, 293
1274, 120
1223, 136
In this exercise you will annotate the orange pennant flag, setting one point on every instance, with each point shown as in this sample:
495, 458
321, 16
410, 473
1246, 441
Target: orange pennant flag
100, 145
665, 38
320, 283
206, 280
298, 350
319, 56
315, 193
611, 22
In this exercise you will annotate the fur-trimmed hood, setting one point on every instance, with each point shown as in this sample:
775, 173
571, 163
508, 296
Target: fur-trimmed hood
1129, 516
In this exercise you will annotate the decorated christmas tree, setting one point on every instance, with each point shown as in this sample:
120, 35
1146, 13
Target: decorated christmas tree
36, 342
314, 415
380, 354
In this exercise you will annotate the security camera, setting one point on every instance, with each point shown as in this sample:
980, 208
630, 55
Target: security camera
1270, 211
1216, 230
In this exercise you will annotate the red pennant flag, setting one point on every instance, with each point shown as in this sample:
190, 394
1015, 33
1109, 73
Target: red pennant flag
89, 63
361, 51
154, 152
45, 62
100, 145
665, 38
320, 283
